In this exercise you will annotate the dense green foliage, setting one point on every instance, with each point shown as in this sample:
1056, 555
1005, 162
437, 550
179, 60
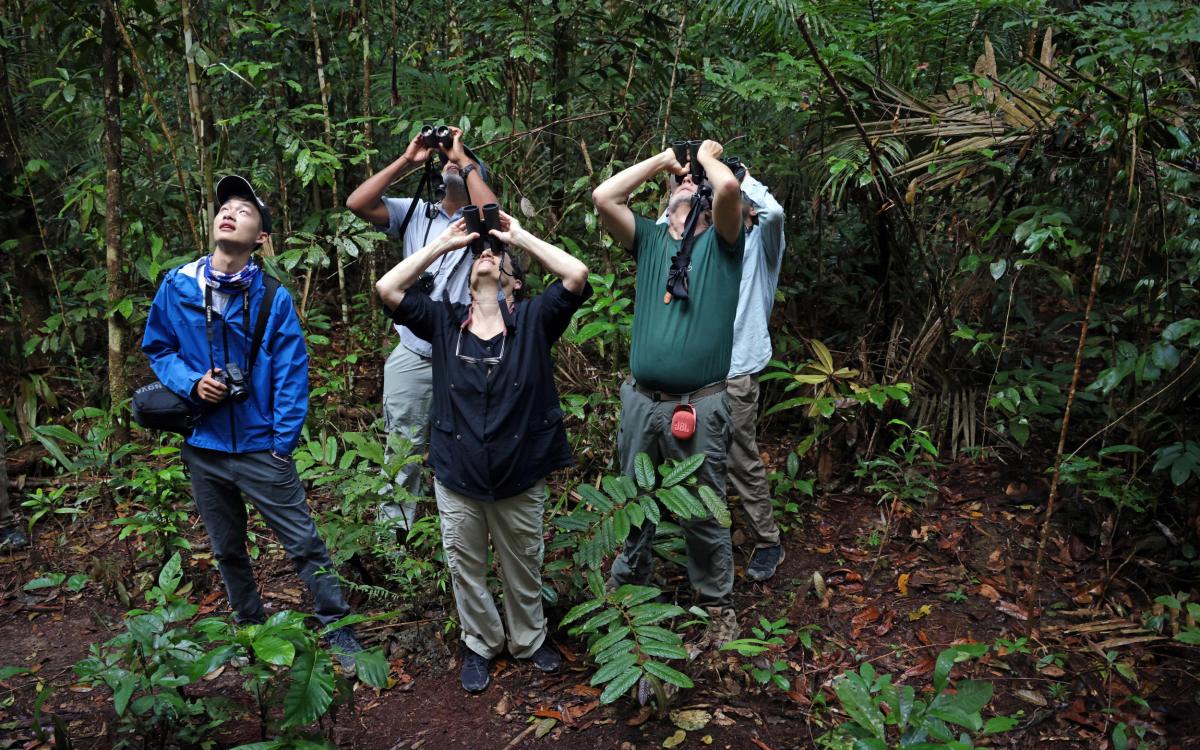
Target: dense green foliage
992, 224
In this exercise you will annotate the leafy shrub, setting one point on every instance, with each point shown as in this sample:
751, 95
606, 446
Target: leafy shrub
883, 715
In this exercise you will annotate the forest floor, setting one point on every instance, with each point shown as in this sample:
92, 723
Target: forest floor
955, 570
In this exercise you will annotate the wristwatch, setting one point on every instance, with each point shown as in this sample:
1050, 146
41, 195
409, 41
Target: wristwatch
467, 170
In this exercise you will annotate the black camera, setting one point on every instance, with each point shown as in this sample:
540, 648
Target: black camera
436, 136
235, 381
481, 224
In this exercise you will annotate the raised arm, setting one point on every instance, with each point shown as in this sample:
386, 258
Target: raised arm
366, 201
769, 213
404, 274
571, 270
727, 193
481, 193
612, 196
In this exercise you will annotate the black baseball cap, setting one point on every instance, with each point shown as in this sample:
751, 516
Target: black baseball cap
234, 186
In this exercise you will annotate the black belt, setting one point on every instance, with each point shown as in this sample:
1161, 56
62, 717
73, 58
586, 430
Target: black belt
707, 390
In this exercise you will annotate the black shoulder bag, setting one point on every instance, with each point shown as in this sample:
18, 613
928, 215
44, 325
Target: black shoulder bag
157, 407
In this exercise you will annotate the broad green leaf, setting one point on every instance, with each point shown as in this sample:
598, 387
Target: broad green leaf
855, 698
683, 470
595, 498
123, 692
716, 506
579, 610
612, 669
667, 674
372, 667
662, 650
951, 656
618, 686
311, 691
643, 469
608, 640
274, 650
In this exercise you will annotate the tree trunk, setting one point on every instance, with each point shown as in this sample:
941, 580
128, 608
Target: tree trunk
199, 126
372, 272
323, 84
118, 386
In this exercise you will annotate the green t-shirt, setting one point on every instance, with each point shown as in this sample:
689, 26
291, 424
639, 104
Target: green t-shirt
687, 344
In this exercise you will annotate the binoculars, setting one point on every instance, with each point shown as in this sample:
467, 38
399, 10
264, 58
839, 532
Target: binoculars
686, 152
489, 220
436, 136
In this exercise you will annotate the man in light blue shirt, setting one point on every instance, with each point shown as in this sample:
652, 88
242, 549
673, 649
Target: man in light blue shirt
762, 218
408, 373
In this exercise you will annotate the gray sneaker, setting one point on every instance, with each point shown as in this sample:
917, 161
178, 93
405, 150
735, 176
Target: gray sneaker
345, 645
12, 539
764, 562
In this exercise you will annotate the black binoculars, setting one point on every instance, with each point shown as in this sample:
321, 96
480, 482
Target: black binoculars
435, 136
687, 152
476, 223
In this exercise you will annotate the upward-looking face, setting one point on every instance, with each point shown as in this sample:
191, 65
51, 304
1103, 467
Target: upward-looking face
238, 222
487, 266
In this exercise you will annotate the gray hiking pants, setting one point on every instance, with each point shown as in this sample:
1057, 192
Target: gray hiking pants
646, 427
221, 485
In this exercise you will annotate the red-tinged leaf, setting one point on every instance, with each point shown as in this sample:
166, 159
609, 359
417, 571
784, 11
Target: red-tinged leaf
1013, 610
923, 637
923, 667
643, 715
862, 620
799, 698
548, 713
761, 745
989, 592
842, 576
580, 710
884, 627
585, 691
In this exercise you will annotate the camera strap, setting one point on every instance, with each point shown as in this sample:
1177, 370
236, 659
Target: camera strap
270, 284
426, 176
681, 262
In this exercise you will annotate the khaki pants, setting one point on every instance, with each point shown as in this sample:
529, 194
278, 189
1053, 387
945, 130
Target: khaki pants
747, 475
515, 527
407, 394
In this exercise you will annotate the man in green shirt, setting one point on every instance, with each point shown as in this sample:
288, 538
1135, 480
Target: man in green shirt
683, 316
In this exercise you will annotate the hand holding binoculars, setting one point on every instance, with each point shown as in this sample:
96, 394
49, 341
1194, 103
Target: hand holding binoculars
436, 136
687, 153
482, 225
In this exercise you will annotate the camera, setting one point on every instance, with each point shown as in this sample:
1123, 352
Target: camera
476, 223
235, 381
436, 136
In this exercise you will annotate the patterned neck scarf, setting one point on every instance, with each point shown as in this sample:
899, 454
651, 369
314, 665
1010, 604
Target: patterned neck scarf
230, 283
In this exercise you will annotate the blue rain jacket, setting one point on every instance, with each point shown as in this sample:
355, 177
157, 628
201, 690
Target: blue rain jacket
175, 341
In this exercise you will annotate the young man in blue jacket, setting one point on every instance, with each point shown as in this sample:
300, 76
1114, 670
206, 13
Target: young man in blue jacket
198, 336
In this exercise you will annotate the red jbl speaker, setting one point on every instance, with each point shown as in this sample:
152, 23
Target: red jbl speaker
683, 422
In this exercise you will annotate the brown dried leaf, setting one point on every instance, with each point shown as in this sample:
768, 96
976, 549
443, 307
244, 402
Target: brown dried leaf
921, 668
989, 592
885, 627
862, 620
1012, 610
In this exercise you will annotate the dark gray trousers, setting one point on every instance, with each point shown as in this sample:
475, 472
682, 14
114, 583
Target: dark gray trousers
221, 485
646, 427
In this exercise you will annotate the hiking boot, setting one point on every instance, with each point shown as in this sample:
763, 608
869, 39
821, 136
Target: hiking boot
345, 645
722, 628
546, 658
764, 562
13, 539
474, 673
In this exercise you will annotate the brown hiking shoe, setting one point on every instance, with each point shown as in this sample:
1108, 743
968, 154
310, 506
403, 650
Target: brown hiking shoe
722, 628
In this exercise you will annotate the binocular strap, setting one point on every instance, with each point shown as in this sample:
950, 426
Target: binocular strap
681, 262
